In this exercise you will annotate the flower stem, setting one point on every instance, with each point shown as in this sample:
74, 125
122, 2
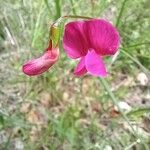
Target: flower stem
120, 13
76, 16
59, 20
114, 100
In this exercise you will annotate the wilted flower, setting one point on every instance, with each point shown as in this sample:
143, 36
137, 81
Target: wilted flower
90, 40
43, 63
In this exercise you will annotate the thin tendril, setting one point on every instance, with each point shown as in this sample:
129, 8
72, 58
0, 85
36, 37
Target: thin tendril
59, 20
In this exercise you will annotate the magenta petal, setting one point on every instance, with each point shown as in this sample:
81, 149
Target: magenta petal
74, 40
80, 69
94, 64
102, 36
39, 65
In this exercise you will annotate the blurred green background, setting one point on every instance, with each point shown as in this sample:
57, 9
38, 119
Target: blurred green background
58, 111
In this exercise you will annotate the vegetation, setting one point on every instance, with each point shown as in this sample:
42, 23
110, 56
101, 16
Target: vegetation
57, 110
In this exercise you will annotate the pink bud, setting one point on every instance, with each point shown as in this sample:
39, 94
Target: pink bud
39, 65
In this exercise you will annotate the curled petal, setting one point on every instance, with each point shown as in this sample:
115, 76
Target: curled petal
74, 40
94, 64
102, 36
39, 65
80, 69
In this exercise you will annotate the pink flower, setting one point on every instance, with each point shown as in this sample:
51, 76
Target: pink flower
90, 40
39, 65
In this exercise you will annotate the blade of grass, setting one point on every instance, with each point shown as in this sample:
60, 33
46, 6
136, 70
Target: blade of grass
132, 144
120, 13
136, 61
48, 7
92, 7
139, 111
138, 44
7, 144
58, 8
37, 24
73, 8
115, 102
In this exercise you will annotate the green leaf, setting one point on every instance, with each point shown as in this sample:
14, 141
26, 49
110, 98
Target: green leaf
55, 36
1, 119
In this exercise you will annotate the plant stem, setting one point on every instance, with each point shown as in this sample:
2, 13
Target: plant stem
73, 16
73, 9
48, 7
136, 61
139, 44
59, 20
114, 100
120, 13
58, 8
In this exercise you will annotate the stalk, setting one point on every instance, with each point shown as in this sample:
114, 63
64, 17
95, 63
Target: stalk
59, 20
115, 101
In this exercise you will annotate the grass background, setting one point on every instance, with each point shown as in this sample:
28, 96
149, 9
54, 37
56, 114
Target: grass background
57, 110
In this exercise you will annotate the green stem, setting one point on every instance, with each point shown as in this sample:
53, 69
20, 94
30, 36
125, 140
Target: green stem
136, 61
120, 13
114, 100
73, 9
73, 16
48, 7
139, 44
59, 20
58, 8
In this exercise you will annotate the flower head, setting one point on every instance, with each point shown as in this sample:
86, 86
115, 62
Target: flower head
90, 40
43, 63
